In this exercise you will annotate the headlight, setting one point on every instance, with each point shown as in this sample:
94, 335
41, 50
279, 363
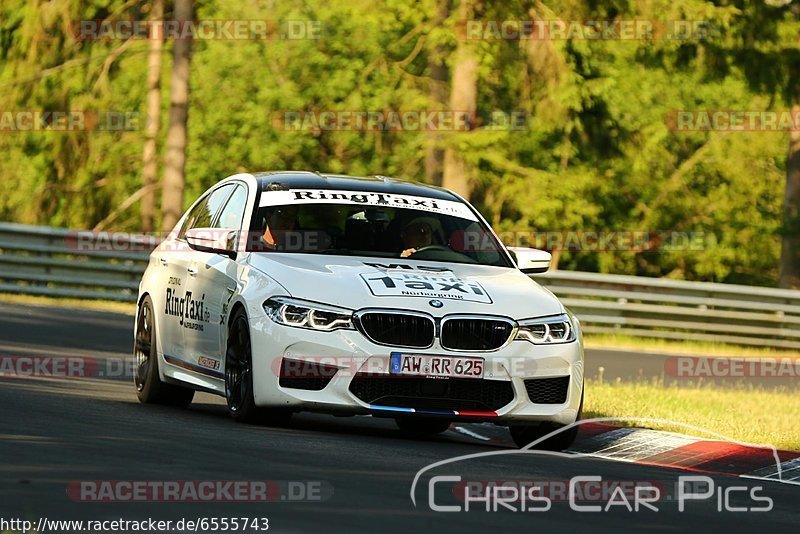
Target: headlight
303, 314
547, 330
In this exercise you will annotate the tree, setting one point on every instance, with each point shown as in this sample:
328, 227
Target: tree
790, 246
594, 153
762, 43
150, 153
175, 160
437, 67
463, 99
74, 177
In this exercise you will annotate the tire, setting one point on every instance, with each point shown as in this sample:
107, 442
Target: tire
149, 387
525, 434
239, 377
422, 426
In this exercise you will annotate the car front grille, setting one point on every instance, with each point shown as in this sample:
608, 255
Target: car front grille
475, 333
432, 393
398, 329
548, 390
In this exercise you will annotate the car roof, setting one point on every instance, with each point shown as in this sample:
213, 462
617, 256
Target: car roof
370, 184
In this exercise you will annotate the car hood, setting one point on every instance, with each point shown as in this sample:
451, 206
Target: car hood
362, 282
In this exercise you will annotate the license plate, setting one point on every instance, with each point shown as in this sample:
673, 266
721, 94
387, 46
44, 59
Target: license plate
438, 366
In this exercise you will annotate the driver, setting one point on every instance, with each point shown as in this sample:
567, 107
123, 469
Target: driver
416, 235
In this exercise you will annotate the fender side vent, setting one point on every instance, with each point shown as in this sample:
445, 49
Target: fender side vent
548, 390
302, 374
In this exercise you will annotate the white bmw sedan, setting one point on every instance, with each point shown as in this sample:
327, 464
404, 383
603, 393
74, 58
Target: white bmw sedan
292, 291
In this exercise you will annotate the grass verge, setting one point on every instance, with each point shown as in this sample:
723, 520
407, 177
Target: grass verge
699, 348
752, 414
128, 308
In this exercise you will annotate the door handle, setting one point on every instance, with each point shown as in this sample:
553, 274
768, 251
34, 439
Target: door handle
163, 261
192, 271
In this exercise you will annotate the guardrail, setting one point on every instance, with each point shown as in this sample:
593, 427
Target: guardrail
55, 262
673, 309
62, 263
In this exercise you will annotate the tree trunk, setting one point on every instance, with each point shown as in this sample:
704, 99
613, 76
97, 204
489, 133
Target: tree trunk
149, 161
175, 160
463, 98
790, 244
434, 153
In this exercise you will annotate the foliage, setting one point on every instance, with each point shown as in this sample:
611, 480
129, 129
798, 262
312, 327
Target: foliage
595, 152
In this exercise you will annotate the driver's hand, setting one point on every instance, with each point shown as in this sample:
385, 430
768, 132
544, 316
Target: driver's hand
407, 252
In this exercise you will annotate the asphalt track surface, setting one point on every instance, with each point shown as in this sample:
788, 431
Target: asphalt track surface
54, 432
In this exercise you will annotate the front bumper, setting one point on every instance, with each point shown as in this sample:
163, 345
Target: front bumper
352, 354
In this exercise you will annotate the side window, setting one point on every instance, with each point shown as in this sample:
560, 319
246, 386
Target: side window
203, 213
233, 212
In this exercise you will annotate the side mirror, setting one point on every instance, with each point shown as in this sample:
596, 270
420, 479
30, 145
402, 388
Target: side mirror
214, 240
531, 260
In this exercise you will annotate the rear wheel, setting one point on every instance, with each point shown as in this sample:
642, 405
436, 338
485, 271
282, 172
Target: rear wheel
239, 377
414, 425
149, 387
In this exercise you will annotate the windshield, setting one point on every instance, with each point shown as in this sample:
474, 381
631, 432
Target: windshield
377, 231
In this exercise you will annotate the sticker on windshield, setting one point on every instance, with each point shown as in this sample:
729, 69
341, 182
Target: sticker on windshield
363, 198
427, 285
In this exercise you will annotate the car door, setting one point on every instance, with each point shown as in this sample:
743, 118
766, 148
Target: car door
185, 312
212, 281
172, 262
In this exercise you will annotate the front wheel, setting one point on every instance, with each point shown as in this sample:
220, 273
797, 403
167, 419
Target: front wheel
526, 434
149, 387
239, 377
523, 435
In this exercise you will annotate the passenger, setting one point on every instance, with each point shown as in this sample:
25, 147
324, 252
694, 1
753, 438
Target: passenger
280, 221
